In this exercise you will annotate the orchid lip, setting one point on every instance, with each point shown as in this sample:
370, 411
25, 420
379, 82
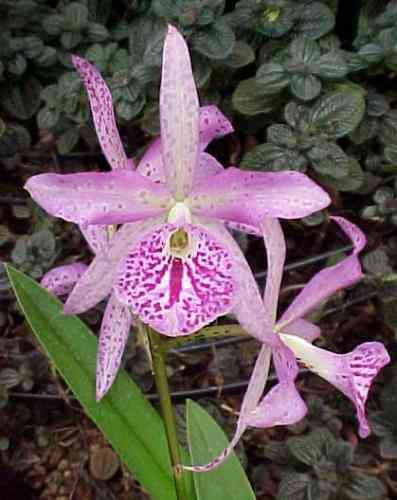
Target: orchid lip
179, 213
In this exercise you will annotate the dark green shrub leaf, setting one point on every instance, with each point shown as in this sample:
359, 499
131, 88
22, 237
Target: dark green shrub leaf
127, 110
70, 40
329, 159
294, 486
242, 55
330, 66
315, 20
53, 25
305, 87
215, 41
97, 32
372, 53
304, 50
281, 135
14, 139
21, 101
48, 57
388, 128
75, 17
364, 487
47, 118
68, 140
18, 65
250, 99
275, 20
390, 153
272, 78
272, 157
338, 113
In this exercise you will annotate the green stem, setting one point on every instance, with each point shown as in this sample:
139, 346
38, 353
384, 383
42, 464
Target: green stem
160, 374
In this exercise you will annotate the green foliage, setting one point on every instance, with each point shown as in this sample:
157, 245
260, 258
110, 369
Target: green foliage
323, 468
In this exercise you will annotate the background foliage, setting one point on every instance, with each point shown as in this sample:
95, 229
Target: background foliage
308, 85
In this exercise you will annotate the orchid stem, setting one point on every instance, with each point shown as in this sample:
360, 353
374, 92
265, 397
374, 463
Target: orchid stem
160, 375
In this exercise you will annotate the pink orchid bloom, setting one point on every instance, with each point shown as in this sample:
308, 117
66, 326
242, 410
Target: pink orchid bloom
351, 373
166, 264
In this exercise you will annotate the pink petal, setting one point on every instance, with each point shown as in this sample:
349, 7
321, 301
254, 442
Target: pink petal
208, 167
61, 280
304, 329
179, 116
116, 324
282, 405
351, 373
247, 197
151, 164
251, 398
244, 228
96, 236
102, 113
213, 124
97, 281
99, 198
275, 250
248, 307
330, 279
177, 296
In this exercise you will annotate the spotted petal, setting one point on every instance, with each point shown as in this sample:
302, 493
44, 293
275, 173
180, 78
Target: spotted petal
213, 124
328, 280
97, 236
177, 296
99, 198
304, 329
96, 283
61, 280
351, 373
247, 197
179, 116
275, 250
102, 112
116, 324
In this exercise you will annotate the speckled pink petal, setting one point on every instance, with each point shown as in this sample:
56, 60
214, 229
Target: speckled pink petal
96, 236
151, 164
251, 398
247, 197
248, 308
282, 405
275, 251
99, 198
304, 329
208, 167
351, 373
244, 228
116, 324
330, 279
177, 296
102, 113
61, 280
179, 116
213, 124
97, 281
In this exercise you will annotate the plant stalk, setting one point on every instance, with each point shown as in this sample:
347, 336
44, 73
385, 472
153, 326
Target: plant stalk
160, 375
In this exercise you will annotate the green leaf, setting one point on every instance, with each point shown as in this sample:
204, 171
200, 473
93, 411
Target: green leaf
75, 16
70, 40
281, 135
14, 139
309, 449
250, 99
364, 487
97, 32
353, 180
22, 101
294, 487
242, 55
215, 41
315, 20
329, 159
206, 439
47, 117
304, 50
372, 53
330, 66
68, 140
338, 113
130, 423
305, 87
272, 157
272, 77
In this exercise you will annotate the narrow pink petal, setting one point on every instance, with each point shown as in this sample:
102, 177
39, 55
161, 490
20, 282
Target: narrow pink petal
177, 296
244, 228
179, 115
151, 164
116, 324
96, 236
304, 329
61, 280
251, 398
208, 167
351, 373
99, 198
97, 281
248, 307
275, 250
328, 280
213, 124
282, 405
247, 197
102, 113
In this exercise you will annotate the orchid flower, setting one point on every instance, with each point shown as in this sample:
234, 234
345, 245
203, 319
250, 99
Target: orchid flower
167, 262
351, 373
